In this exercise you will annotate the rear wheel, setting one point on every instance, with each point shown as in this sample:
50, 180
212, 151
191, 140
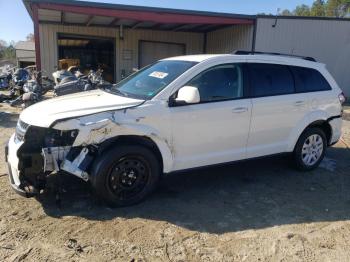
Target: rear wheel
125, 175
310, 149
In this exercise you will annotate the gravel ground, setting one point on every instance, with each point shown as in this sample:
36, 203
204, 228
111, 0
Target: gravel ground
259, 210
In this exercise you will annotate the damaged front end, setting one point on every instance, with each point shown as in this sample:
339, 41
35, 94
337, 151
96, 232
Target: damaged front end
36, 152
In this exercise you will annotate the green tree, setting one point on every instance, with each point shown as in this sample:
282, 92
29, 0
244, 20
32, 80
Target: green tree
344, 8
30, 37
286, 12
329, 8
338, 8
318, 8
264, 14
302, 10
7, 51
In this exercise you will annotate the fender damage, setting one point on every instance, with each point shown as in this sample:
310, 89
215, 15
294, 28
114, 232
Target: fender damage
71, 145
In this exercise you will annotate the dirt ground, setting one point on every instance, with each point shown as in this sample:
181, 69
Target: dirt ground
259, 210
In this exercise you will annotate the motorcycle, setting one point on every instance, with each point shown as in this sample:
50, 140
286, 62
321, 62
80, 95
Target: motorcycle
20, 77
71, 73
33, 90
5, 78
79, 83
15, 85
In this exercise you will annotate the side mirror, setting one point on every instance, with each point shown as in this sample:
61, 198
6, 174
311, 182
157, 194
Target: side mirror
187, 95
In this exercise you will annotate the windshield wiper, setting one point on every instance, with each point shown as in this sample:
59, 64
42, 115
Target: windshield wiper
117, 91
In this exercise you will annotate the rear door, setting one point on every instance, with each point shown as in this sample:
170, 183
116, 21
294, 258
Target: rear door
312, 84
277, 109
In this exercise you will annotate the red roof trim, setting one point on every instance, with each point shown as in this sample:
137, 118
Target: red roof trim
147, 15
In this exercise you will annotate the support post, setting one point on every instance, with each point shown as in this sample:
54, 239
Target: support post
36, 37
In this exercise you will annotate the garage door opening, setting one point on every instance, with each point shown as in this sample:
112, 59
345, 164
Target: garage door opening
89, 53
150, 52
24, 64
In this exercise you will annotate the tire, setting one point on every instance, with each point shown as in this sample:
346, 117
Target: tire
307, 155
125, 175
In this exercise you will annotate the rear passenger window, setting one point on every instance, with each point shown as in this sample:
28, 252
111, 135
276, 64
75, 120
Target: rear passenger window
309, 80
270, 80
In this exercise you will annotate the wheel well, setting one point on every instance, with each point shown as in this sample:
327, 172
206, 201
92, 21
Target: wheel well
326, 128
132, 140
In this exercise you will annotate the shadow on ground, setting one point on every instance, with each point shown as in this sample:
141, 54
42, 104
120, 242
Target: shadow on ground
249, 195
8, 120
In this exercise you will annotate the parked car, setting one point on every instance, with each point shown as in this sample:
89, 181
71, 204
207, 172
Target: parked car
177, 114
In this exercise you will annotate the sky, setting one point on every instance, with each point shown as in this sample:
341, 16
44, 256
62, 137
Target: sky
16, 24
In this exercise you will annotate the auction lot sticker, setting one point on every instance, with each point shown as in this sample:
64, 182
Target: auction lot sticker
159, 75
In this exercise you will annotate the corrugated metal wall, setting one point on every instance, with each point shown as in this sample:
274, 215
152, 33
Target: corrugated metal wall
229, 39
25, 55
193, 41
126, 50
326, 40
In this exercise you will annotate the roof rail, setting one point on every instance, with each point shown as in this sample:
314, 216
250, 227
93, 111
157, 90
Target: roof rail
242, 52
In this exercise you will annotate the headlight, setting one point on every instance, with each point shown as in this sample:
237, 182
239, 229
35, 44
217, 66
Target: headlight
21, 129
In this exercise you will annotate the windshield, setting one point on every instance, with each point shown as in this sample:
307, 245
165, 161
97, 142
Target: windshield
149, 81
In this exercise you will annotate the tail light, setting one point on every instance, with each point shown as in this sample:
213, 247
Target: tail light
342, 98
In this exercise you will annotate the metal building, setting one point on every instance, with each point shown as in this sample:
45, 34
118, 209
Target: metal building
119, 38
325, 39
25, 53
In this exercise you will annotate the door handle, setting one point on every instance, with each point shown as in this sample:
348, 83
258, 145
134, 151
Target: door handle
299, 103
239, 110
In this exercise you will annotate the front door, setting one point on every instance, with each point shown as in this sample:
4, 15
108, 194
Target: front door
216, 129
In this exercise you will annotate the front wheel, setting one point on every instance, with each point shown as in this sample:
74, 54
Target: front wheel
310, 149
125, 175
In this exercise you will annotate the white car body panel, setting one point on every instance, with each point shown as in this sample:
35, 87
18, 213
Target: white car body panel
13, 159
197, 142
336, 125
273, 119
45, 113
193, 135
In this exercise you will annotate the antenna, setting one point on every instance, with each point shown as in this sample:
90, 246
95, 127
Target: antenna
277, 14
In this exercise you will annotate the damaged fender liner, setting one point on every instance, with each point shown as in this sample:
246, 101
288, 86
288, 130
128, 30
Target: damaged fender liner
74, 160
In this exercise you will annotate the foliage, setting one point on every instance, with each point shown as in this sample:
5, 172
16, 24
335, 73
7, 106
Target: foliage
302, 10
7, 50
30, 37
322, 8
318, 8
286, 12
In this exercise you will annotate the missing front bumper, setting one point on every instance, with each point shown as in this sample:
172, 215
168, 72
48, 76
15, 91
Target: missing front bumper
28, 171
25, 191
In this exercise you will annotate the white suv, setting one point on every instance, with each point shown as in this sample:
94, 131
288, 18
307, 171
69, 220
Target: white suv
177, 114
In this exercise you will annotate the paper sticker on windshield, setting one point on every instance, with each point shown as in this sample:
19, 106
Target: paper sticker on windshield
160, 75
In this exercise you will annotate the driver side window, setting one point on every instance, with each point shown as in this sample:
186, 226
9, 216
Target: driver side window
223, 82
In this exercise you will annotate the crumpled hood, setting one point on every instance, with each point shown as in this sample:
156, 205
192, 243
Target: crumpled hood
43, 114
